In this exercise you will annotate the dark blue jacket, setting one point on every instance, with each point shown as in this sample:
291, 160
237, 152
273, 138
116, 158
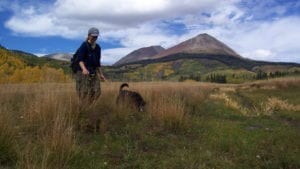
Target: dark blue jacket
90, 57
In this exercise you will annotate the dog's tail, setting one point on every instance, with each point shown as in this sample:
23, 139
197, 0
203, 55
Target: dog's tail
123, 85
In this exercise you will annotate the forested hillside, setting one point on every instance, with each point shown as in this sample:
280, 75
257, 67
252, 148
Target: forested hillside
217, 70
17, 69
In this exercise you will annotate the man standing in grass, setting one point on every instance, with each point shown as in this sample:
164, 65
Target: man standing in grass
89, 72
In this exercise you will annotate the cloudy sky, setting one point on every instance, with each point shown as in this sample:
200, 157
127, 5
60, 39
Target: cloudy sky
257, 29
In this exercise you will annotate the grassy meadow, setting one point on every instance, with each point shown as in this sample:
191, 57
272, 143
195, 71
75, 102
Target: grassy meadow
186, 125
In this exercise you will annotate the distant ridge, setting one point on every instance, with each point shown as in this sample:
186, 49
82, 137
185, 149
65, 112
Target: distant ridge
23, 53
140, 54
31, 60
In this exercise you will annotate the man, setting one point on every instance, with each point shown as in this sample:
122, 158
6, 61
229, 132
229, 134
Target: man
89, 71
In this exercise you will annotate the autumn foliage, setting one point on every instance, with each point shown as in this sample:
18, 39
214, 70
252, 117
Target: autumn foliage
15, 70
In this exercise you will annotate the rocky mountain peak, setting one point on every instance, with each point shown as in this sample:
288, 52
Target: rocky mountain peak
201, 44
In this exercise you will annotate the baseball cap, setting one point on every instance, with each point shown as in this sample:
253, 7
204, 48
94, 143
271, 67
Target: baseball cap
93, 32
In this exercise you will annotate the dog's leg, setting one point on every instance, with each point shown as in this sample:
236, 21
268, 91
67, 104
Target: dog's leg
118, 100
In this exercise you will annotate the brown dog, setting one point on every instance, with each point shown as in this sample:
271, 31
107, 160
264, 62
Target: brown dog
131, 98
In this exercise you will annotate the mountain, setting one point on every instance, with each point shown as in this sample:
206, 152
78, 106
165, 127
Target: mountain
201, 44
60, 56
202, 58
140, 54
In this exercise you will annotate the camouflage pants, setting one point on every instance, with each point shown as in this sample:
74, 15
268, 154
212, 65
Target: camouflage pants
88, 87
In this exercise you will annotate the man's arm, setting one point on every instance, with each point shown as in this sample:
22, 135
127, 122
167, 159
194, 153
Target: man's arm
83, 68
82, 51
100, 74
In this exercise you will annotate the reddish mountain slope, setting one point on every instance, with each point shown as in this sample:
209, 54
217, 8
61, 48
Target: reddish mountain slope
140, 54
202, 43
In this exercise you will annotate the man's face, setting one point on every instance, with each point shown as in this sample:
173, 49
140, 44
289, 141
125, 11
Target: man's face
93, 39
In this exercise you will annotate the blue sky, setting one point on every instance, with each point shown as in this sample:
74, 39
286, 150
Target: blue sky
257, 29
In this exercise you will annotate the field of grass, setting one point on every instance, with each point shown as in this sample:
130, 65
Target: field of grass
185, 126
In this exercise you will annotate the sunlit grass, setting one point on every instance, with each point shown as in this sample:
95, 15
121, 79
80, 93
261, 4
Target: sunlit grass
184, 125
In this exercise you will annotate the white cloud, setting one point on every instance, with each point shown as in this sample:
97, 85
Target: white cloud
110, 56
260, 54
135, 24
67, 18
225, 15
272, 41
145, 35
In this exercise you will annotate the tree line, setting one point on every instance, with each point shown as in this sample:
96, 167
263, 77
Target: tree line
223, 78
260, 75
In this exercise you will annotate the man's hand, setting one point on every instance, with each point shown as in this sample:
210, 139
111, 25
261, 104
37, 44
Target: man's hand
100, 74
83, 68
102, 77
85, 72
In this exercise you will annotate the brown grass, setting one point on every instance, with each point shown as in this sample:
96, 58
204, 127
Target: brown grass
272, 84
38, 122
274, 104
7, 139
229, 102
44, 123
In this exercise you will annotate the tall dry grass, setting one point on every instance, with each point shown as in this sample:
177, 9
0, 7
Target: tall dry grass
268, 106
8, 149
169, 102
42, 124
274, 104
273, 84
39, 122
170, 109
229, 102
